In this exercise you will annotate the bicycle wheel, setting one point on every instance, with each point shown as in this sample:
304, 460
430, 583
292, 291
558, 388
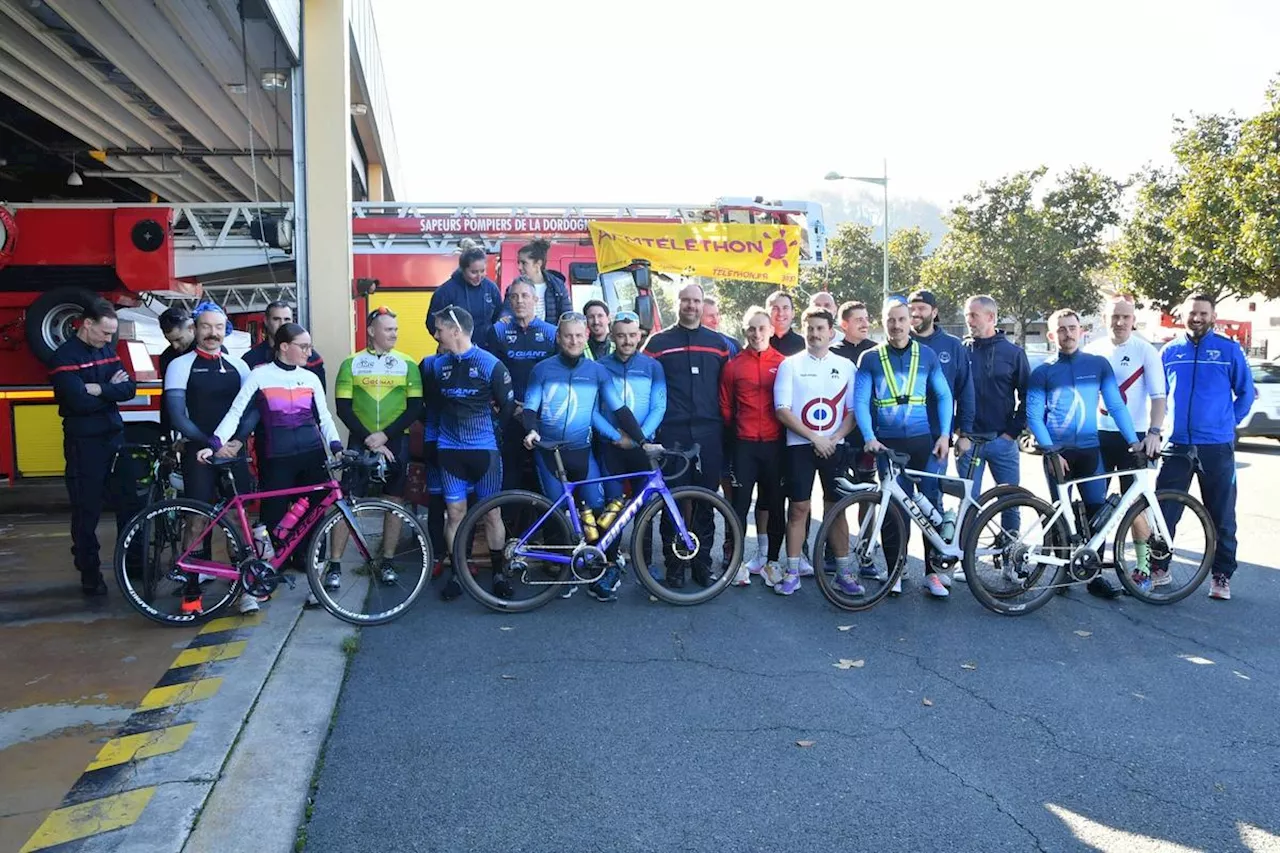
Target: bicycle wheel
377, 585
533, 582
148, 550
1011, 583
1177, 568
992, 494
876, 571
715, 531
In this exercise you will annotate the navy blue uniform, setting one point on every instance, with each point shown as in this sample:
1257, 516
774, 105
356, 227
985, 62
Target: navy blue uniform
519, 348
93, 433
468, 387
482, 301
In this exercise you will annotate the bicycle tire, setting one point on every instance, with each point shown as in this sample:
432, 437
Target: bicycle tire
1206, 564
826, 582
984, 498
142, 519
466, 533
316, 567
700, 595
1058, 536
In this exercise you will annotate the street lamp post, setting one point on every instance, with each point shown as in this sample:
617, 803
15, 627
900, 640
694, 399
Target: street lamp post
884, 182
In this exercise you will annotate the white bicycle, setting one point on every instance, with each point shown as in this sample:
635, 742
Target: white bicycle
885, 508
1056, 545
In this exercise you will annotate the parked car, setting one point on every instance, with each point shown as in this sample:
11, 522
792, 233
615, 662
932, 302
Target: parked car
1263, 420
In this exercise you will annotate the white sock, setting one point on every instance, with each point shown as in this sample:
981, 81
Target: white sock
793, 565
762, 543
844, 564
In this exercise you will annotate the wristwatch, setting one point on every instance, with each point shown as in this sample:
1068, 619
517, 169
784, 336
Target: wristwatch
1153, 431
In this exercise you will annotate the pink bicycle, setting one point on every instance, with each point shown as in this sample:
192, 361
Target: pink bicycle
182, 561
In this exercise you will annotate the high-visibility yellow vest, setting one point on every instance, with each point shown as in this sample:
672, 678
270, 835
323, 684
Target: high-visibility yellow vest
896, 397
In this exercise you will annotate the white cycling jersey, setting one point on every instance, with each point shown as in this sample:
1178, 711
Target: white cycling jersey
1139, 375
818, 390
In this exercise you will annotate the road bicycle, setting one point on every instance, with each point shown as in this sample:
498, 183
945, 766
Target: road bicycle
888, 505
197, 559
1057, 545
555, 552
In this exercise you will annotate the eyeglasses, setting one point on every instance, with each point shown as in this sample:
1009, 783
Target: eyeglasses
626, 317
303, 347
573, 317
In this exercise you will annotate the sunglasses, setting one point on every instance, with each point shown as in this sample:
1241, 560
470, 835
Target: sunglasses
626, 317
380, 311
573, 317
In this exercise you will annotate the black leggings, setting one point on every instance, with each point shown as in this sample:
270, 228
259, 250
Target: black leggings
757, 466
288, 472
919, 448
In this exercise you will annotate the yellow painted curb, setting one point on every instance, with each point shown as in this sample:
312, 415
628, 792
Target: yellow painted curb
143, 745
91, 818
208, 654
180, 694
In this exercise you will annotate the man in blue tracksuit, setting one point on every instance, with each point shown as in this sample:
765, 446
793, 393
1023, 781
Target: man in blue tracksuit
89, 382
897, 392
1063, 396
953, 359
642, 385
999, 370
1210, 392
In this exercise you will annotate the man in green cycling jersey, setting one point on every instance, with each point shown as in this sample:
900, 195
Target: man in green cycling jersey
378, 394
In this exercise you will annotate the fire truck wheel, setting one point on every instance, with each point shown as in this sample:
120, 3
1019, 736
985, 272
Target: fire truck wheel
53, 318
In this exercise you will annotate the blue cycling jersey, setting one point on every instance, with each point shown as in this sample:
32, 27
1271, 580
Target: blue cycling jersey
563, 395
1062, 401
642, 384
520, 348
899, 406
467, 387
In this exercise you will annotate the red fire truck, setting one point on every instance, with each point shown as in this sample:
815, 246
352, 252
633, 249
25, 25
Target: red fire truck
54, 258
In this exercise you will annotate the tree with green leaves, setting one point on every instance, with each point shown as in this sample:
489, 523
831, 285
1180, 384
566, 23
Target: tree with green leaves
1032, 257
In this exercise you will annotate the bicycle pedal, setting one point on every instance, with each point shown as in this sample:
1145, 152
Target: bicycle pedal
290, 580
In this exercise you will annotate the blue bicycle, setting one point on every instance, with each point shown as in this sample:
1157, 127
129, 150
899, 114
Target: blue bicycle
674, 531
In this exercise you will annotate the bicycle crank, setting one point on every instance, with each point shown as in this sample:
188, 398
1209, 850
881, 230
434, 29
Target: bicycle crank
260, 578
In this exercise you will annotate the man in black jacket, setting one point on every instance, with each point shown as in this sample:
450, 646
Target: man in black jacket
692, 357
277, 314
89, 383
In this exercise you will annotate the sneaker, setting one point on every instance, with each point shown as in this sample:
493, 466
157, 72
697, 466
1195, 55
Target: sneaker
569, 591
437, 569
502, 586
603, 589
311, 601
94, 588
248, 604
387, 573
333, 577
789, 584
867, 569
703, 576
1142, 581
1220, 588
743, 577
675, 575
943, 577
958, 575
756, 564
897, 587
848, 584
1161, 577
192, 605
933, 583
772, 574
1103, 588
451, 590
806, 568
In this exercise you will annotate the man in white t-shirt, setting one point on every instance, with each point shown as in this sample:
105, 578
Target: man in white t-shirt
1140, 376
811, 397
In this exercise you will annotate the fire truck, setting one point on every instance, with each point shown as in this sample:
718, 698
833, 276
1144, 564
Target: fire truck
144, 258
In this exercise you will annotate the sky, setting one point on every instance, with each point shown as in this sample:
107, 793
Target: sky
689, 101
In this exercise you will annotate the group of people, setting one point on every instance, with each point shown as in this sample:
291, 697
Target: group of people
518, 373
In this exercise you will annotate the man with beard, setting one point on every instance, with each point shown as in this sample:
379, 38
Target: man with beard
953, 359
277, 314
641, 384
599, 344
180, 332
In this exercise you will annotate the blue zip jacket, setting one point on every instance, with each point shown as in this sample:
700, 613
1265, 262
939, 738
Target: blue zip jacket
1000, 371
521, 348
467, 387
562, 397
1062, 401
1210, 388
906, 420
482, 301
954, 361
643, 388
555, 299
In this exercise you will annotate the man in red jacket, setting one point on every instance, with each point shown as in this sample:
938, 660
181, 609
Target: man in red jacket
746, 402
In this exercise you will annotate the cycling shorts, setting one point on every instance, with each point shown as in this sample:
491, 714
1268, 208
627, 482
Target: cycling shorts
463, 471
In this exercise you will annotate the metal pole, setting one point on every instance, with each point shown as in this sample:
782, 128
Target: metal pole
886, 231
300, 237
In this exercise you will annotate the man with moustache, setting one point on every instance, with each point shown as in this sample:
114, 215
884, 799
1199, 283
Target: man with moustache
953, 359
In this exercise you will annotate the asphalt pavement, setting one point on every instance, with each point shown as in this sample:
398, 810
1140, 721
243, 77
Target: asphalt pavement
761, 723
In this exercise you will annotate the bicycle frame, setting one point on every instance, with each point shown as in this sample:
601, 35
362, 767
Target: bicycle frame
333, 495
891, 491
1143, 485
656, 484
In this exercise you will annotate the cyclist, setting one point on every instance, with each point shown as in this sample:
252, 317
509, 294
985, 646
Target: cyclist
599, 343
277, 314
746, 403
470, 383
954, 361
896, 386
856, 323
199, 388
288, 400
378, 395
782, 311
561, 400
89, 382
519, 341
810, 398
1062, 413
430, 417
692, 358
824, 300
1210, 393
642, 385
1140, 376
179, 331
470, 289
551, 296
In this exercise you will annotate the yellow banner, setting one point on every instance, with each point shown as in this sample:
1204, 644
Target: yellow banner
717, 249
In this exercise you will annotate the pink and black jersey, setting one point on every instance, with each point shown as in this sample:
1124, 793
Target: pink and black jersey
291, 407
